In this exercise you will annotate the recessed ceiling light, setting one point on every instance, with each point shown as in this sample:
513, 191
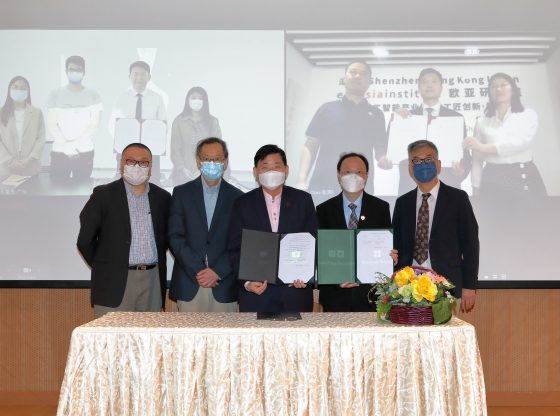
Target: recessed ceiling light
472, 51
380, 52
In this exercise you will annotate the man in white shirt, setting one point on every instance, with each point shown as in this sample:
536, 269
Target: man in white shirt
140, 103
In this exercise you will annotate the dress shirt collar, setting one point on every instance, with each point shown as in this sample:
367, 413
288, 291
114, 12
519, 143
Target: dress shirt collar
130, 191
210, 189
433, 192
436, 109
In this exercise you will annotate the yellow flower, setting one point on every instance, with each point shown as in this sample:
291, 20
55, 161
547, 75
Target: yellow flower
404, 276
423, 287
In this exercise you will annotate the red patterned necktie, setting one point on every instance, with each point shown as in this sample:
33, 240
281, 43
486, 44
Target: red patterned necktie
353, 220
422, 231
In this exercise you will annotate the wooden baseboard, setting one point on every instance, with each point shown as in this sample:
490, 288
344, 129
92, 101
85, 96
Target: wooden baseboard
518, 398
31, 398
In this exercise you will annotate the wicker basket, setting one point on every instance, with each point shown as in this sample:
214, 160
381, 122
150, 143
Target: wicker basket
411, 315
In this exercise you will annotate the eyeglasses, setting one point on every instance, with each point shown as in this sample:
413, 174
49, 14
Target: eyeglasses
141, 163
417, 161
218, 159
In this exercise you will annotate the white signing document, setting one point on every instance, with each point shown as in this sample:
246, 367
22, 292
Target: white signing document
447, 133
297, 257
154, 135
372, 254
404, 131
127, 130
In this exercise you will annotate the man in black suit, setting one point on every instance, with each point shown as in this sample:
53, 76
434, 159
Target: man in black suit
123, 238
202, 279
430, 86
352, 208
272, 207
434, 225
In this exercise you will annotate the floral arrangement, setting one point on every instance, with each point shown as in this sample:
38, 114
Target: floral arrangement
414, 286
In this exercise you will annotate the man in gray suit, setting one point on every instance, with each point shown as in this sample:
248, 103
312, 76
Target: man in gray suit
202, 279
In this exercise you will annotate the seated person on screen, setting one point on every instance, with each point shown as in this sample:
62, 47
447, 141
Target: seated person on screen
352, 208
434, 225
22, 132
272, 207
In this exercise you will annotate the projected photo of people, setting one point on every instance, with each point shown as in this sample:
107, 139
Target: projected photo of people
430, 87
22, 134
349, 124
73, 117
193, 124
502, 145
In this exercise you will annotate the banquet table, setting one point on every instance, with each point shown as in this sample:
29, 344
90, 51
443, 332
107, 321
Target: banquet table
128, 363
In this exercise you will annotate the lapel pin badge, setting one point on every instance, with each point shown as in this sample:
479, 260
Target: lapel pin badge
362, 217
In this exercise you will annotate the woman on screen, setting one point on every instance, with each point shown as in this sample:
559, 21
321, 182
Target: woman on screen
22, 132
193, 124
502, 145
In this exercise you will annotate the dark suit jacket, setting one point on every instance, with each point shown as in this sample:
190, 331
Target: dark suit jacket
374, 214
297, 214
191, 241
105, 237
453, 246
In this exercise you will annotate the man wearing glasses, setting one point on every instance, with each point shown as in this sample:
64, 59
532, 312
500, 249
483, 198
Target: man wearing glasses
434, 225
203, 279
123, 238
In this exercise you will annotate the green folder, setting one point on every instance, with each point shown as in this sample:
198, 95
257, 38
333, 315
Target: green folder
336, 256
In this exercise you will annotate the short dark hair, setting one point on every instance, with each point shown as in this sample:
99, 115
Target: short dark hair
139, 64
427, 71
138, 145
414, 146
211, 140
269, 149
345, 156
77, 60
364, 63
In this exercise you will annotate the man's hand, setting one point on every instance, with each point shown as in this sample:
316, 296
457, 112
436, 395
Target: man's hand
457, 168
403, 112
298, 284
207, 278
467, 300
395, 256
384, 163
256, 287
348, 285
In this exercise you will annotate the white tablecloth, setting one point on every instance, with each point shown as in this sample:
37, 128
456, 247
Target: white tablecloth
232, 364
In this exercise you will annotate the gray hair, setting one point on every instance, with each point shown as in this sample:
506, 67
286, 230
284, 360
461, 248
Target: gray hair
418, 144
212, 140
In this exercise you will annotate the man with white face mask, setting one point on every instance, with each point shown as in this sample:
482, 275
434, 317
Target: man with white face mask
123, 238
352, 208
73, 116
272, 207
203, 279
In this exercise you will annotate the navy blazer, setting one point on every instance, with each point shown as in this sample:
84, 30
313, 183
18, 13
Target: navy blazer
105, 237
297, 215
453, 246
374, 214
191, 241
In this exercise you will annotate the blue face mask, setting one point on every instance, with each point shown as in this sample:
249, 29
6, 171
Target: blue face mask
425, 172
212, 171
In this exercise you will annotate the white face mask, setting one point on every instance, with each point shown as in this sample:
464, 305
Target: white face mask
272, 179
352, 182
196, 104
19, 96
135, 175
75, 77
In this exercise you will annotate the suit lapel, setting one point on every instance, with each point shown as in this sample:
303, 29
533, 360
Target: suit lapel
199, 203
338, 212
222, 195
26, 121
122, 201
441, 204
262, 212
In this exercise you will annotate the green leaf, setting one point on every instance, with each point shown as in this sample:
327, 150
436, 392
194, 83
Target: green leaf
383, 309
441, 311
